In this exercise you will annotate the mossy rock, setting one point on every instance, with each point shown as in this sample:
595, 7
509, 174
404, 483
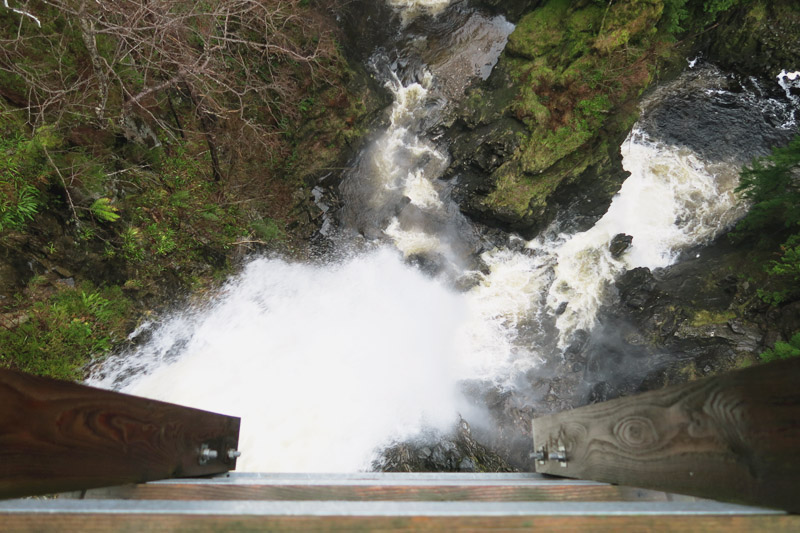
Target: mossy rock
573, 70
760, 37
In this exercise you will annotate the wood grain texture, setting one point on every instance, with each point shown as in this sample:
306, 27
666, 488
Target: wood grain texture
734, 437
57, 436
66, 523
554, 491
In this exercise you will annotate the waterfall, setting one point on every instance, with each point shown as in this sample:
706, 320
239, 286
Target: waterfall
326, 363
411, 9
322, 362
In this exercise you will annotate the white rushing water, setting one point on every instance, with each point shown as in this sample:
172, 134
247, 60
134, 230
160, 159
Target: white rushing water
410, 9
671, 201
323, 363
328, 363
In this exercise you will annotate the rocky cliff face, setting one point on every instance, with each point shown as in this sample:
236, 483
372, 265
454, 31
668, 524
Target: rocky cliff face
548, 124
758, 38
543, 134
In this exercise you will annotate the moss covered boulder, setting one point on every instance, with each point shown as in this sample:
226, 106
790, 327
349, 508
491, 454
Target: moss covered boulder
565, 92
757, 37
567, 87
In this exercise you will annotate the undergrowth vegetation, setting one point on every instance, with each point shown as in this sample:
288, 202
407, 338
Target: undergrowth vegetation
783, 350
57, 334
772, 184
143, 146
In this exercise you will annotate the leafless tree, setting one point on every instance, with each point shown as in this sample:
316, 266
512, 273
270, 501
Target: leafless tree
241, 64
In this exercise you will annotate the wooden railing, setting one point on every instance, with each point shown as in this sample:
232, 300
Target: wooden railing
57, 436
733, 437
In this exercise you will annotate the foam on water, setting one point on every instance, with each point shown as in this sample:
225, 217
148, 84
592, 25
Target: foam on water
671, 201
323, 363
411, 9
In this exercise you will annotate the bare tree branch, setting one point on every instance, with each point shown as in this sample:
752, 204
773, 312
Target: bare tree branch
23, 13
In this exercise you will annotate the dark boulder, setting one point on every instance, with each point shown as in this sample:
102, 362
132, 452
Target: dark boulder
619, 245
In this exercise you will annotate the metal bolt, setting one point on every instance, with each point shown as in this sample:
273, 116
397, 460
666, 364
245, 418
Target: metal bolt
233, 454
557, 456
538, 456
206, 454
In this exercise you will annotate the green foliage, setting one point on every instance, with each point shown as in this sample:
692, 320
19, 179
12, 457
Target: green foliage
681, 15
267, 230
162, 239
306, 105
19, 166
675, 13
102, 209
56, 337
783, 350
153, 214
772, 184
132, 245
19, 207
712, 7
784, 273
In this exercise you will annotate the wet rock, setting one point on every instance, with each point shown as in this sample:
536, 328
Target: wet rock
756, 38
788, 319
637, 288
679, 323
467, 465
739, 130
619, 245
429, 263
511, 9
467, 282
770, 338
137, 131
432, 451
63, 272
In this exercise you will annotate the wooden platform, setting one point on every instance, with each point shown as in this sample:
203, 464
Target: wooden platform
388, 502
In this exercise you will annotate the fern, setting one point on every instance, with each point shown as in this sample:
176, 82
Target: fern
103, 210
15, 212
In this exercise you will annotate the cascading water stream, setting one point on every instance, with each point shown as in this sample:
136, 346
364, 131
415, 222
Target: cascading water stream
327, 363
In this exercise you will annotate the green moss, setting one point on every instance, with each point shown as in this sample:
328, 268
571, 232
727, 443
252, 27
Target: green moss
757, 13
552, 146
705, 317
540, 31
575, 70
515, 193
268, 230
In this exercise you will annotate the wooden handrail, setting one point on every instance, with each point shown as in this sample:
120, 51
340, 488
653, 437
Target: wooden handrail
57, 436
733, 437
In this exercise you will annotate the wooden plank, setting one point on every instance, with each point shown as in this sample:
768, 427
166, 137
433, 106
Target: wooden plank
734, 437
553, 491
57, 436
215, 524
396, 516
